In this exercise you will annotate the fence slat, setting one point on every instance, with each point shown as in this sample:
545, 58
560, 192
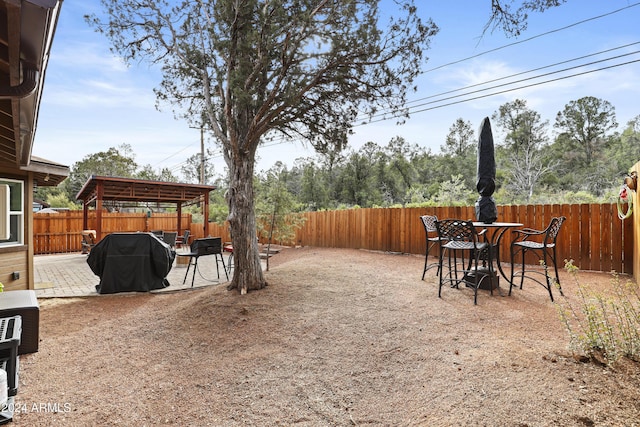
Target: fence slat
585, 237
605, 236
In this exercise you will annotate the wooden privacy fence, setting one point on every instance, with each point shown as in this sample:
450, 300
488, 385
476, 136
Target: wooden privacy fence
61, 232
592, 236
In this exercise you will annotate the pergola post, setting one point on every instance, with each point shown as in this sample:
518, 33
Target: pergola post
85, 215
205, 214
100, 191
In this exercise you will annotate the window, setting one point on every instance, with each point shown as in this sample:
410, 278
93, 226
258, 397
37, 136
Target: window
11, 212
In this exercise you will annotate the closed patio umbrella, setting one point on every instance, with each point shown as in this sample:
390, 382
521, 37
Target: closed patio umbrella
486, 210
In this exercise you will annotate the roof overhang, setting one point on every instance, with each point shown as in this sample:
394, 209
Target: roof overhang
140, 190
45, 172
27, 28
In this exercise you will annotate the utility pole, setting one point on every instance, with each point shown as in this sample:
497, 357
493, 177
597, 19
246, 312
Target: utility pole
202, 155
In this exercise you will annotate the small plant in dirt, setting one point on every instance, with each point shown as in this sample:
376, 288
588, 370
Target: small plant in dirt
603, 326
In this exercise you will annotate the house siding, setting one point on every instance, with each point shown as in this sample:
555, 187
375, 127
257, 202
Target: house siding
19, 259
15, 261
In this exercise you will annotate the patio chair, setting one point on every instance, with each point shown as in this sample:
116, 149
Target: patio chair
202, 247
170, 238
458, 237
88, 240
544, 247
228, 247
183, 240
431, 235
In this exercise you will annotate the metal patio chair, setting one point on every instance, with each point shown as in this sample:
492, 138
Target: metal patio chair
182, 241
542, 243
169, 238
459, 237
432, 240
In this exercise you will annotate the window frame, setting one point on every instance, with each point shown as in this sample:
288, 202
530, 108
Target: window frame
16, 217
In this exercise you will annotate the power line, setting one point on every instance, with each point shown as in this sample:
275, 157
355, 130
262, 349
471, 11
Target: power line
519, 81
527, 72
174, 154
532, 38
389, 111
441, 105
520, 87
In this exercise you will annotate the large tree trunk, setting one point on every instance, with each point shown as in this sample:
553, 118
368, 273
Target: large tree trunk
247, 272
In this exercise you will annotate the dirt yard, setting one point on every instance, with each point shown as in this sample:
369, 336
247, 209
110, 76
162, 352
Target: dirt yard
338, 338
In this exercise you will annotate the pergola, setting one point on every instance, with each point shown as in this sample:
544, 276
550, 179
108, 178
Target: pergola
98, 189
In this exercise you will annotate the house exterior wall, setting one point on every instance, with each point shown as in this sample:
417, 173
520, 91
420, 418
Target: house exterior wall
19, 258
28, 29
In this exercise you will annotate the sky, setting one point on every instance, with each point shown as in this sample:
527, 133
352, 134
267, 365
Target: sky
92, 101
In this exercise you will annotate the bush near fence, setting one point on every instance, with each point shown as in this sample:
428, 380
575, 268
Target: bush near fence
592, 236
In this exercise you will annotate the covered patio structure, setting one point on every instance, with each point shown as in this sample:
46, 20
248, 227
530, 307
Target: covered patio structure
99, 189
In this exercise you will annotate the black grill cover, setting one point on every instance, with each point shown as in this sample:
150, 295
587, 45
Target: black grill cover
129, 262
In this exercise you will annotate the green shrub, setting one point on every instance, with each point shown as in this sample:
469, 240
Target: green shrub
603, 327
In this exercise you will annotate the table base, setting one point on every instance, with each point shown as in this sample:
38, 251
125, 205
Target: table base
489, 280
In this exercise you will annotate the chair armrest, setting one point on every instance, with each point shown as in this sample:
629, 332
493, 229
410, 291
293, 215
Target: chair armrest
529, 231
524, 233
483, 233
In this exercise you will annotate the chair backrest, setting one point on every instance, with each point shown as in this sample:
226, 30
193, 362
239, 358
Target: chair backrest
207, 246
88, 239
89, 236
429, 222
185, 238
551, 233
457, 230
158, 233
170, 238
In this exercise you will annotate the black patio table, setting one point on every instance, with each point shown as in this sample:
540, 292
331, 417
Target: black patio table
496, 231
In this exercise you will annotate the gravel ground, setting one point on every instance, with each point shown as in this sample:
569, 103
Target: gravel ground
338, 338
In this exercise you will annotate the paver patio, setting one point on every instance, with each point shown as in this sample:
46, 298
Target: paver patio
69, 275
